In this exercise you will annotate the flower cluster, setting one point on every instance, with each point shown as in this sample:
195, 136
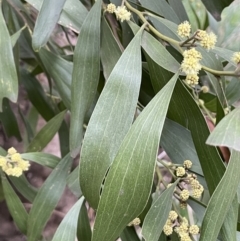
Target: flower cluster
121, 12
13, 164
184, 29
236, 57
207, 40
191, 66
180, 226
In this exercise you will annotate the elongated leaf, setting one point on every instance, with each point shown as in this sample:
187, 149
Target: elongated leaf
85, 74
233, 91
15, 206
68, 227
72, 16
24, 187
162, 8
157, 51
229, 233
113, 113
47, 18
43, 159
8, 73
110, 50
73, 182
37, 96
47, 198
221, 200
158, 214
128, 183
179, 9
224, 53
215, 7
84, 232
45, 135
15, 37
177, 142
9, 121
61, 72
227, 132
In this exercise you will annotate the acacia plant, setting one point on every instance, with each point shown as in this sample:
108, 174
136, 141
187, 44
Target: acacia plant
134, 101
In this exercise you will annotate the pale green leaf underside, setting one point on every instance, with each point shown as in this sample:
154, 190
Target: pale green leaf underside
72, 16
110, 121
85, 77
47, 18
128, 184
227, 132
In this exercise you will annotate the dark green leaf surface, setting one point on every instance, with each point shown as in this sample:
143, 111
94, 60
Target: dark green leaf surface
215, 7
9, 121
192, 118
15, 206
84, 232
111, 115
221, 200
8, 73
37, 95
157, 51
129, 234
47, 198
68, 227
47, 18
45, 135
43, 159
158, 215
24, 187
110, 50
227, 132
177, 142
61, 72
72, 16
85, 74
127, 191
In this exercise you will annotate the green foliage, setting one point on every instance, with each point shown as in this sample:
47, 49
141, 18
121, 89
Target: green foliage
133, 92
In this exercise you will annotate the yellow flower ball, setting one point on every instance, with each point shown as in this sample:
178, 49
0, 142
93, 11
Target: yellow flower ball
184, 29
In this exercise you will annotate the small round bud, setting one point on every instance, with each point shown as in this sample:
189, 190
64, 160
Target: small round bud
193, 229
168, 230
187, 164
172, 215
12, 151
180, 171
111, 8
184, 29
205, 89
184, 195
135, 222
236, 57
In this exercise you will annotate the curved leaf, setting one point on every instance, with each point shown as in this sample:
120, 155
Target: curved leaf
67, 229
43, 159
86, 68
158, 215
61, 72
73, 182
45, 135
227, 132
126, 192
221, 200
15, 206
47, 198
157, 51
8, 73
72, 16
113, 113
47, 18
